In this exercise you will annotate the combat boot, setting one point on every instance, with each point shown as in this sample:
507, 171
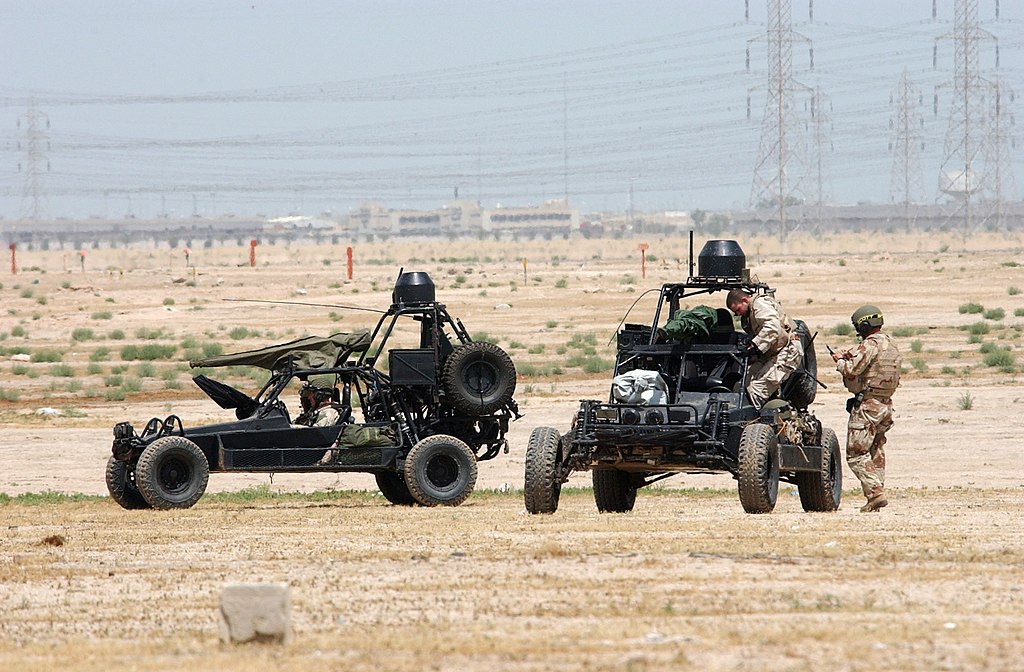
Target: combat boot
874, 504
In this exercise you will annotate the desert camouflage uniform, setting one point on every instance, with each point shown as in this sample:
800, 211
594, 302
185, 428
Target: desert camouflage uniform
872, 371
775, 336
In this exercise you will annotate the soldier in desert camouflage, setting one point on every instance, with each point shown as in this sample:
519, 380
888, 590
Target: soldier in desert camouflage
775, 346
872, 373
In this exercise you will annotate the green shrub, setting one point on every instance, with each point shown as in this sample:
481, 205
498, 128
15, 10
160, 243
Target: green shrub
536, 349
1013, 291
148, 352
26, 293
18, 331
146, 334
8, 395
1000, 359
100, 354
113, 381
46, 356
61, 371
561, 283
131, 385
995, 314
842, 329
904, 332
977, 328
965, 402
238, 333
114, 394
146, 370
919, 365
20, 369
93, 369
82, 334
168, 301
551, 324
915, 345
102, 315
971, 308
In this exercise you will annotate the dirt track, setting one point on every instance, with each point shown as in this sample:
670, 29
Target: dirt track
685, 582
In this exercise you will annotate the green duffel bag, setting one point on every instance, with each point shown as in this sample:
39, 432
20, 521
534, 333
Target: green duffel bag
367, 436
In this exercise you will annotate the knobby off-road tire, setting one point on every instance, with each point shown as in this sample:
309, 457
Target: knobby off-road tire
614, 491
758, 475
121, 485
805, 387
172, 473
392, 486
823, 490
440, 470
542, 486
479, 378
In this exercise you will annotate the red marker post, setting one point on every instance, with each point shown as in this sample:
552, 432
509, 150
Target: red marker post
643, 259
348, 255
14, 263
252, 252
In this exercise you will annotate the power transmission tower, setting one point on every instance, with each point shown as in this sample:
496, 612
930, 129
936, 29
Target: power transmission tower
964, 173
821, 132
36, 123
1002, 139
779, 170
906, 125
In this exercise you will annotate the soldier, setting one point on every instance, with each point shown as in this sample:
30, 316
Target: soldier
872, 373
774, 343
317, 410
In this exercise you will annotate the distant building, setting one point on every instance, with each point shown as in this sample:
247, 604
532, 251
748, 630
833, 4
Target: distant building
465, 218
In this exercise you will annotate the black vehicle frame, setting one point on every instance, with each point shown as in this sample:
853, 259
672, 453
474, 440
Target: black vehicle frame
437, 411
707, 423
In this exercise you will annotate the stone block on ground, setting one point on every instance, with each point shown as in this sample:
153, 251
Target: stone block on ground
255, 612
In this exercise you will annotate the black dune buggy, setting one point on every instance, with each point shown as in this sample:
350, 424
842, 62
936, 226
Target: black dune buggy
696, 416
426, 422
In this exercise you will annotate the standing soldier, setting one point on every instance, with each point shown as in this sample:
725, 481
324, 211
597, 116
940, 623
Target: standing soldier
774, 342
872, 373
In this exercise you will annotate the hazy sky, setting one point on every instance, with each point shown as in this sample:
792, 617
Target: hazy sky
211, 107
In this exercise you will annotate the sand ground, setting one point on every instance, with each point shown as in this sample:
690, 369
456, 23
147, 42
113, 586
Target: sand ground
687, 581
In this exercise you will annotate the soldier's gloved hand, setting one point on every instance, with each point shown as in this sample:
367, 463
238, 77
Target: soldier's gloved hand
752, 350
660, 336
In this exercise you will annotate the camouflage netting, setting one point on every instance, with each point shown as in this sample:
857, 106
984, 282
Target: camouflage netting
311, 352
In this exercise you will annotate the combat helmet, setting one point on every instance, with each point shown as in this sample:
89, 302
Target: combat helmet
312, 395
866, 318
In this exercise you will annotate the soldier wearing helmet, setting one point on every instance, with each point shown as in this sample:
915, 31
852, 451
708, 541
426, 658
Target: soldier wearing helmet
871, 371
774, 344
317, 410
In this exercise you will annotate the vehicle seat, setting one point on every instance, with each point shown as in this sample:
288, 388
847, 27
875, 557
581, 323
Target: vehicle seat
724, 332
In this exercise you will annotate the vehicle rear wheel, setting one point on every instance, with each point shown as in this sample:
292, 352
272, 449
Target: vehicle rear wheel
440, 470
392, 486
172, 473
823, 490
542, 486
758, 468
614, 491
121, 485
479, 378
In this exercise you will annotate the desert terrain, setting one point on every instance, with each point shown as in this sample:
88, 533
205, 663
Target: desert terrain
685, 581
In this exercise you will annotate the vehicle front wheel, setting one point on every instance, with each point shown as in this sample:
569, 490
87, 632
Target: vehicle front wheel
823, 490
440, 470
172, 473
542, 486
614, 491
758, 468
121, 485
392, 486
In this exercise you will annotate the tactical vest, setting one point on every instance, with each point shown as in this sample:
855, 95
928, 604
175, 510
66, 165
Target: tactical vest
882, 377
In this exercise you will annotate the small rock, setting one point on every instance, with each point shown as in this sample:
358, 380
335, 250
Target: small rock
46, 410
21, 357
253, 612
502, 306
301, 291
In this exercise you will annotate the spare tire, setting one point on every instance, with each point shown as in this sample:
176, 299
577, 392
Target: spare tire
121, 485
440, 470
479, 378
804, 385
